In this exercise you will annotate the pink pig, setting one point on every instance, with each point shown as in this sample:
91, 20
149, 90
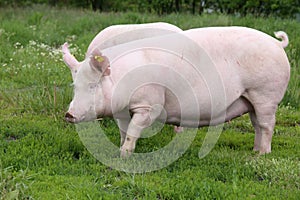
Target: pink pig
198, 77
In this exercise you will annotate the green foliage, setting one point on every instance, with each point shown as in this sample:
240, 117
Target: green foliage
283, 172
43, 157
14, 185
281, 8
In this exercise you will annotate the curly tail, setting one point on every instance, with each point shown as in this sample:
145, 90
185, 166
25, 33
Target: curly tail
284, 38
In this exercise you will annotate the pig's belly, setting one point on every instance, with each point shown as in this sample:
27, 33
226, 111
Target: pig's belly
236, 109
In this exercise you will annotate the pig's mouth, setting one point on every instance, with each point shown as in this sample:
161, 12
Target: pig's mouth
99, 119
70, 118
74, 120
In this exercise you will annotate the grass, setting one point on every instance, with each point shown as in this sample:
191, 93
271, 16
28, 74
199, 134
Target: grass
42, 157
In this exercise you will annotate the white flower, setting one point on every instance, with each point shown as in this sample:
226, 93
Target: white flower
32, 43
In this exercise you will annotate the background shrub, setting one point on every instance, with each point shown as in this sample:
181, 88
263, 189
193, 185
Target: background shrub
281, 8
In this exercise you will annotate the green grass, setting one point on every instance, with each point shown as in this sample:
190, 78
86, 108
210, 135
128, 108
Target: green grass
42, 157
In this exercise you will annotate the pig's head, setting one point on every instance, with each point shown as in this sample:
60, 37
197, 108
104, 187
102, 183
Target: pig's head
88, 100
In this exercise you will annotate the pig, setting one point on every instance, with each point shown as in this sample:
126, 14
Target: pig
113, 35
250, 66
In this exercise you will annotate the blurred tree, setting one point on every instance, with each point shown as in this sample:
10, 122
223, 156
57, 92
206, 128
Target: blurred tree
194, 7
97, 5
177, 5
281, 8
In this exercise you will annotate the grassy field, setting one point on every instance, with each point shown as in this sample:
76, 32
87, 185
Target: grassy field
42, 156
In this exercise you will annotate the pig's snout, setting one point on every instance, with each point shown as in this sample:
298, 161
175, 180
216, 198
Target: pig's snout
70, 118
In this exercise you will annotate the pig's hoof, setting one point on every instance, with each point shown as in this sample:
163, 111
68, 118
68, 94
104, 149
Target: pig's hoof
264, 149
263, 152
178, 129
125, 153
256, 149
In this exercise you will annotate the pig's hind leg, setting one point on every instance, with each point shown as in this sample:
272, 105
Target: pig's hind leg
263, 119
256, 126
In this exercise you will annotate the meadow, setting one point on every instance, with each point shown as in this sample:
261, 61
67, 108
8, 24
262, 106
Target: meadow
42, 156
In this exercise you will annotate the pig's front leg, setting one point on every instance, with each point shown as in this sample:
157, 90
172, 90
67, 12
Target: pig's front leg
140, 120
123, 127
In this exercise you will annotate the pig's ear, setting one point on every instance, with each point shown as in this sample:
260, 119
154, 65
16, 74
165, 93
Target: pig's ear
68, 58
100, 62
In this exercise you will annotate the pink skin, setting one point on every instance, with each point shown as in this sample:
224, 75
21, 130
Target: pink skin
106, 39
109, 37
253, 67
112, 35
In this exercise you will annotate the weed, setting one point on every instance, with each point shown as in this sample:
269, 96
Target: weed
14, 185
